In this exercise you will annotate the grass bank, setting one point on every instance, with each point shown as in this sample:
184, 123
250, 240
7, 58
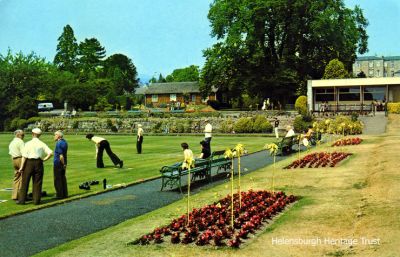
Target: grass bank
350, 210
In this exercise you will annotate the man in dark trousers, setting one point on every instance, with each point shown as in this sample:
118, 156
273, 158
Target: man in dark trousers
34, 154
60, 165
139, 139
101, 145
276, 127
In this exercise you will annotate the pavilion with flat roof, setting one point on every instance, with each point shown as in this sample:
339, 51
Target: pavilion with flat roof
356, 94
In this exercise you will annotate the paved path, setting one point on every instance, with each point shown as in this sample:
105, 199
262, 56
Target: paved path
30, 233
374, 125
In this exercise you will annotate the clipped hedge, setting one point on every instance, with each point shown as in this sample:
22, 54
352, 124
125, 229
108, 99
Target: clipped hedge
255, 124
244, 125
262, 125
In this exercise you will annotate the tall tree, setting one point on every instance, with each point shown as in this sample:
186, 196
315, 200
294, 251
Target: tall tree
270, 47
161, 79
67, 51
91, 55
122, 71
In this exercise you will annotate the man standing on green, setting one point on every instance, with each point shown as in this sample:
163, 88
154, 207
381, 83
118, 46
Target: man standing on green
60, 165
139, 140
15, 151
34, 154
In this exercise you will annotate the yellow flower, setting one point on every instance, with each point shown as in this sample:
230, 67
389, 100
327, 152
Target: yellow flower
273, 148
327, 121
239, 149
228, 153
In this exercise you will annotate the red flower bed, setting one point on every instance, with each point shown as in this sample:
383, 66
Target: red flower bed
210, 225
348, 141
316, 160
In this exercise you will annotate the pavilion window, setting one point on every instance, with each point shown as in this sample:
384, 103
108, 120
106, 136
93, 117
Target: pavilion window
324, 95
374, 93
349, 94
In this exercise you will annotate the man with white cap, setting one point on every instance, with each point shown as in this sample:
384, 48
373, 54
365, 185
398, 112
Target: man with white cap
139, 140
208, 133
34, 154
15, 150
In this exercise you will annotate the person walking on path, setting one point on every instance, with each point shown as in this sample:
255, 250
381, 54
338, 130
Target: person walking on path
139, 140
15, 150
34, 154
208, 133
276, 127
60, 165
101, 145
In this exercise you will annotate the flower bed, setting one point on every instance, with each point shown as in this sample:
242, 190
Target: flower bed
348, 141
211, 225
316, 160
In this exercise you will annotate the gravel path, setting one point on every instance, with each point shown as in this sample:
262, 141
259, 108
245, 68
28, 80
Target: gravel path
374, 125
30, 233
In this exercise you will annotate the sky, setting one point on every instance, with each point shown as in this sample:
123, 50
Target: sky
158, 35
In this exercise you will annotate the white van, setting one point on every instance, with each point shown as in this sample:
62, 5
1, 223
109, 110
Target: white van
43, 107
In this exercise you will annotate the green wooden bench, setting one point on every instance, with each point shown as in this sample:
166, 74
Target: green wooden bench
315, 137
286, 144
171, 175
218, 160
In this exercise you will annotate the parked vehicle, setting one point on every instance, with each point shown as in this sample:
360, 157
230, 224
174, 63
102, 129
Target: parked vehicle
45, 107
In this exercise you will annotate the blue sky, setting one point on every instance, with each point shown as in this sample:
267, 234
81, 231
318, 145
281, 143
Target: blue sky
158, 35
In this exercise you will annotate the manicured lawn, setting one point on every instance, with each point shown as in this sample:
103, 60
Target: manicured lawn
157, 151
357, 200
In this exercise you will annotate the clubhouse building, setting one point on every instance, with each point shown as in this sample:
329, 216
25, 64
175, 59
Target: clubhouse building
356, 94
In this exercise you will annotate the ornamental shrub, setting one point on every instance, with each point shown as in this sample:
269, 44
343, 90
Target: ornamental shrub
300, 125
227, 126
301, 105
393, 107
244, 125
261, 124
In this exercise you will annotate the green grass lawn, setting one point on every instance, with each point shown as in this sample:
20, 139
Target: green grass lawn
157, 151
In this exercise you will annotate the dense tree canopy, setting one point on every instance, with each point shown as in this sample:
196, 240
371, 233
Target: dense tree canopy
190, 73
122, 71
21, 84
270, 47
